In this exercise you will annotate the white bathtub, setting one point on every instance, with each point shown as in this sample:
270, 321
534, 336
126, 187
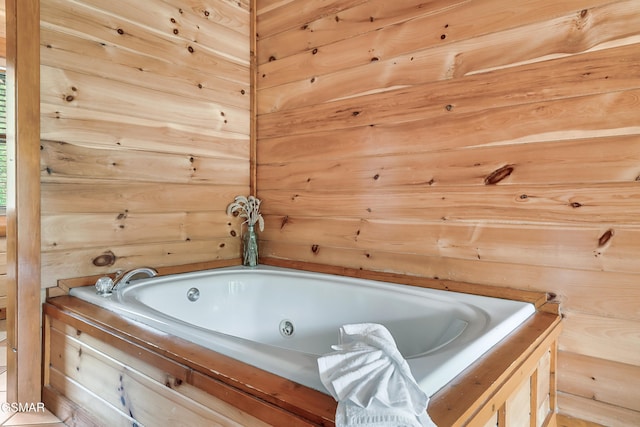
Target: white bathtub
281, 320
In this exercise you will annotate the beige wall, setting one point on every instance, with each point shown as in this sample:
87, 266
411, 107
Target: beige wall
492, 142
145, 132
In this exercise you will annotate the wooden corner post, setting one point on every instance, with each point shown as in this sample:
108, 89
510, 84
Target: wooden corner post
24, 353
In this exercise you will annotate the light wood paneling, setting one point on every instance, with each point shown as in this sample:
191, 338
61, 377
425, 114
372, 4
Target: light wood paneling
489, 142
595, 412
145, 132
436, 139
594, 378
23, 377
127, 383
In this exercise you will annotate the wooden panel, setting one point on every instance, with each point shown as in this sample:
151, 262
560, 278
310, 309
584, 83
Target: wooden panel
285, 14
605, 338
69, 52
466, 141
528, 122
395, 74
502, 204
517, 406
535, 245
85, 398
146, 130
107, 259
68, 88
152, 34
120, 229
120, 131
487, 383
24, 362
3, 285
566, 421
543, 387
428, 27
91, 369
247, 388
62, 162
599, 379
526, 164
515, 391
218, 26
72, 413
106, 196
493, 422
596, 412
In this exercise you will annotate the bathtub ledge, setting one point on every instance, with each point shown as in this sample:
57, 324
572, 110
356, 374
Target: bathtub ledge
478, 393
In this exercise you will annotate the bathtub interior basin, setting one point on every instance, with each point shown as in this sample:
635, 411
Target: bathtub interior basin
281, 320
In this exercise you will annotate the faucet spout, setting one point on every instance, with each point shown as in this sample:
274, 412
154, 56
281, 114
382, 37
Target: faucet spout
126, 277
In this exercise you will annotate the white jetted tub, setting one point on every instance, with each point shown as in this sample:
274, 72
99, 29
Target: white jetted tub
281, 320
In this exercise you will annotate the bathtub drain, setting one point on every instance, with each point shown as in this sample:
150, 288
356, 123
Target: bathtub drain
286, 328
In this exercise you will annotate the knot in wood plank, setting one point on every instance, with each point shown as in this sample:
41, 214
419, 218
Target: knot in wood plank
498, 175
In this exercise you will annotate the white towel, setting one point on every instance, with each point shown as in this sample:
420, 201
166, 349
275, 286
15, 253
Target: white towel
371, 381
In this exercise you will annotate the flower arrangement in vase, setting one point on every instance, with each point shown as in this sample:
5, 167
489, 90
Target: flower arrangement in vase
248, 208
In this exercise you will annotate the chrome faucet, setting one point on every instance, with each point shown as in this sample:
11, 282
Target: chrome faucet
105, 285
126, 277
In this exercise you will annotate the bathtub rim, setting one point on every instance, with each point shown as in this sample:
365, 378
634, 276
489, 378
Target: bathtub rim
250, 385
537, 298
495, 367
487, 320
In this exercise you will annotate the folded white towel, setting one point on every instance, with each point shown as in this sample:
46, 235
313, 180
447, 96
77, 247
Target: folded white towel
371, 381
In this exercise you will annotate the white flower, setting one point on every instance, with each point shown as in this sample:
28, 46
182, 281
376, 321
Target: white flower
248, 208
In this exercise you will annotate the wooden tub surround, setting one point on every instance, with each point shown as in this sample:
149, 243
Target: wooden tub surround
101, 368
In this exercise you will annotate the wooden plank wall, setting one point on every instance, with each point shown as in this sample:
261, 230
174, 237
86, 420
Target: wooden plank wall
145, 132
493, 142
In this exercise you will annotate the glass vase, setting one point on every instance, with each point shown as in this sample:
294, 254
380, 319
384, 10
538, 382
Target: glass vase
250, 248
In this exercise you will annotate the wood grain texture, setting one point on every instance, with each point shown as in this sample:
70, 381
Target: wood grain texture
463, 39
144, 145
105, 259
128, 386
567, 421
63, 162
550, 245
598, 379
471, 65
613, 159
24, 361
246, 388
611, 339
489, 142
595, 413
